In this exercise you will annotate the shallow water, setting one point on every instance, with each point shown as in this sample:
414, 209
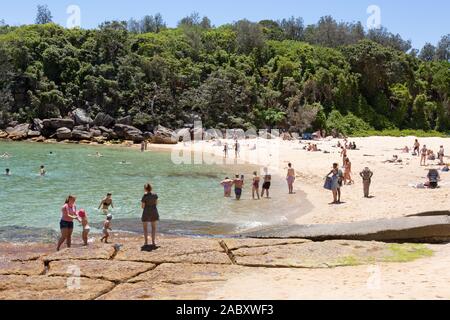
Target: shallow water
190, 195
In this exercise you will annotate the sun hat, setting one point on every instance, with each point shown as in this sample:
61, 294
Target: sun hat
82, 213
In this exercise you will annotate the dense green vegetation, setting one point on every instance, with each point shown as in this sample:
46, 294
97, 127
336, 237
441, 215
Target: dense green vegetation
268, 74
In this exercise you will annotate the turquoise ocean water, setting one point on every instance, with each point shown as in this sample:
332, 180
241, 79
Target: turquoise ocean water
190, 195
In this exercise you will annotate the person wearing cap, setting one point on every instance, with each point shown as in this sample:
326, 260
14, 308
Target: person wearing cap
82, 217
366, 176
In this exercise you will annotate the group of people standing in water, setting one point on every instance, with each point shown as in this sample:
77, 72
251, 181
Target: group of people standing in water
69, 214
257, 192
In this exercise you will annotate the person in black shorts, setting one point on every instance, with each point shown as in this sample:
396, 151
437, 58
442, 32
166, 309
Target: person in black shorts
267, 183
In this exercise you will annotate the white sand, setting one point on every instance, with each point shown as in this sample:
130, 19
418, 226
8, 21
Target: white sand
421, 279
393, 197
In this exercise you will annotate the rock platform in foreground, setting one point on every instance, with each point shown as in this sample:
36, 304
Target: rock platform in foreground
187, 268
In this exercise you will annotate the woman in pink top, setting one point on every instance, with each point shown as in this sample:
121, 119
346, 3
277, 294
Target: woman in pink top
68, 215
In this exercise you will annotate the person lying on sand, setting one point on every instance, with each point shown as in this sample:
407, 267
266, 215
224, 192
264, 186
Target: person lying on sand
395, 159
404, 150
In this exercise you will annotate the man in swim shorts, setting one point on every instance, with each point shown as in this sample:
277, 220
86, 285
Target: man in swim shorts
238, 186
267, 183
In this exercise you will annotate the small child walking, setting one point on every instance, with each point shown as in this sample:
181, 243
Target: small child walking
82, 217
107, 228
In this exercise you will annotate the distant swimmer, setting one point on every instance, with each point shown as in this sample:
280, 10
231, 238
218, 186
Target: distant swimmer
124, 162
97, 155
7, 172
42, 171
267, 183
290, 178
227, 185
106, 203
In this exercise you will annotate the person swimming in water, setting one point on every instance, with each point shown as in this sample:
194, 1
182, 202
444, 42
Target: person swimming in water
227, 184
7, 172
106, 203
42, 171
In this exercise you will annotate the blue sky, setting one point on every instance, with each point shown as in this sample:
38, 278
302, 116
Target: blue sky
419, 21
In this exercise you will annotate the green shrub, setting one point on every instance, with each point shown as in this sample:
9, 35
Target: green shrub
346, 125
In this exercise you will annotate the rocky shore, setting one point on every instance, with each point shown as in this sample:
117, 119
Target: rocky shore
79, 127
189, 268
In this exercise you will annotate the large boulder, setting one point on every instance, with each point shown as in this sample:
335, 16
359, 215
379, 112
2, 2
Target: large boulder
164, 136
183, 135
96, 132
33, 134
55, 124
125, 120
128, 133
81, 135
105, 130
103, 120
64, 134
19, 132
3, 134
165, 132
37, 125
81, 117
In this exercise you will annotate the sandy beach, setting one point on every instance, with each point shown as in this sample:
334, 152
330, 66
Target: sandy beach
392, 190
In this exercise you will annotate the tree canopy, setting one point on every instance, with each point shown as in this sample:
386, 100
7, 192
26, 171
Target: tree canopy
244, 74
